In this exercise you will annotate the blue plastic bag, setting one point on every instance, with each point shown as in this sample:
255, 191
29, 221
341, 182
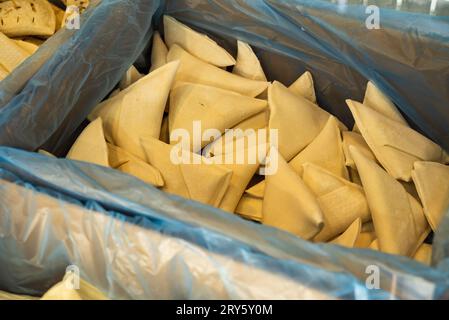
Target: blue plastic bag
289, 37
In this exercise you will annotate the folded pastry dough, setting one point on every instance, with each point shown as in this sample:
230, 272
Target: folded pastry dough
137, 110
432, 183
424, 254
29, 47
248, 65
376, 100
131, 76
355, 139
395, 146
91, 145
341, 201
350, 236
364, 240
204, 182
250, 208
326, 151
11, 54
304, 87
289, 204
165, 132
297, 120
158, 53
256, 122
216, 108
197, 44
125, 162
25, 18
195, 70
398, 218
241, 176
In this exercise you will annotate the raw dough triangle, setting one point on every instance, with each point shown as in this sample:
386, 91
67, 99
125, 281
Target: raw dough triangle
326, 151
290, 205
341, 201
127, 163
350, 236
158, 53
138, 110
395, 146
195, 70
204, 182
248, 65
215, 108
91, 145
297, 120
432, 183
197, 44
304, 87
398, 219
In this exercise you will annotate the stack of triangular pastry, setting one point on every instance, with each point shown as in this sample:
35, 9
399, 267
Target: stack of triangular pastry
24, 24
292, 165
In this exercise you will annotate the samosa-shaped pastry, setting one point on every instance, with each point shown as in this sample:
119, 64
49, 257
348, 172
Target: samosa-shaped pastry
290, 205
195, 70
197, 44
158, 53
125, 162
212, 108
396, 146
91, 145
326, 151
138, 110
432, 183
304, 87
341, 201
202, 182
297, 120
248, 65
398, 218
349, 237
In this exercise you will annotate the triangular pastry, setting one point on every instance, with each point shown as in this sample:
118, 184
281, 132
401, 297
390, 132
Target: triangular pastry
137, 110
355, 139
395, 146
365, 239
197, 44
341, 201
242, 172
213, 108
289, 204
250, 208
91, 145
297, 120
398, 219
125, 162
377, 100
195, 70
248, 65
203, 182
304, 87
326, 151
131, 76
432, 183
158, 53
350, 236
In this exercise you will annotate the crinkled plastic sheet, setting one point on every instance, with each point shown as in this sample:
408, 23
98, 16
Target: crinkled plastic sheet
134, 241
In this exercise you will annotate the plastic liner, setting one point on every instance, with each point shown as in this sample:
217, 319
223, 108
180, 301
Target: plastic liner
132, 240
